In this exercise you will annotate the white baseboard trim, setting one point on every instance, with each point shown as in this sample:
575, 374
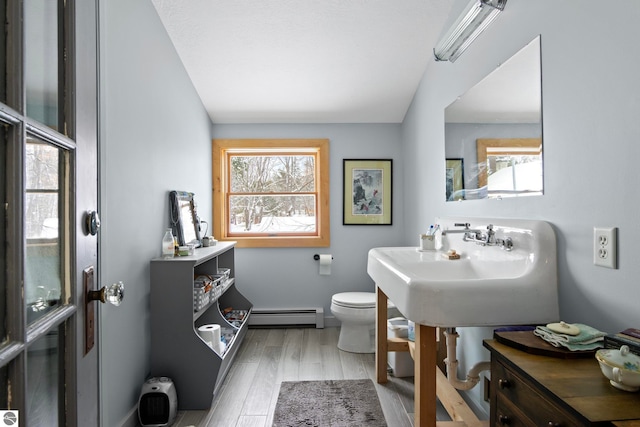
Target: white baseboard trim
282, 317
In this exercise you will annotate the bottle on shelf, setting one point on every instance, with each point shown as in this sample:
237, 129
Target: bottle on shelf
167, 244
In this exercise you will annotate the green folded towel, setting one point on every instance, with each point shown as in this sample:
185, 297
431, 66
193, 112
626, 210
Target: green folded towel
589, 338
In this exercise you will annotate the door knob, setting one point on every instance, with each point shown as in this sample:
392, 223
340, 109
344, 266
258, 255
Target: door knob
112, 294
92, 222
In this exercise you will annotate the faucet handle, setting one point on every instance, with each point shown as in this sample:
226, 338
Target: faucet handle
462, 224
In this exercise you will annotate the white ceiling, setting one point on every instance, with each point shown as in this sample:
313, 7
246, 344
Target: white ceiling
304, 61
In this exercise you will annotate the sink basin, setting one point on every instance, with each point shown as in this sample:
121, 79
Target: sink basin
486, 286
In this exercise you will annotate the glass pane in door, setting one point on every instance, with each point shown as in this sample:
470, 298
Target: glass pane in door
42, 59
3, 52
3, 234
44, 379
4, 387
46, 269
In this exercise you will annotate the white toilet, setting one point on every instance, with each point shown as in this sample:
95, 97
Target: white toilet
357, 313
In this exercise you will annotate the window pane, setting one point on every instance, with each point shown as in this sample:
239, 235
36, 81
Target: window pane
4, 387
43, 381
279, 174
3, 52
3, 235
272, 214
44, 271
42, 60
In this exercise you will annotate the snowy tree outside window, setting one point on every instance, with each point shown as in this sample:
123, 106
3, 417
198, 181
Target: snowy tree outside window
272, 194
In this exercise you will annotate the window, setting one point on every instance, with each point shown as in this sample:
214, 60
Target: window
271, 192
510, 166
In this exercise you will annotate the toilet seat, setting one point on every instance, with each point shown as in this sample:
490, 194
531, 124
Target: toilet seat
357, 300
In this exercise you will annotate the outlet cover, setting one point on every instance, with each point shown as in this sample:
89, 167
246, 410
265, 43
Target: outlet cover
605, 247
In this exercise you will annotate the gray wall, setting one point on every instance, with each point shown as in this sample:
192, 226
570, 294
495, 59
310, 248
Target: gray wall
155, 137
590, 64
288, 277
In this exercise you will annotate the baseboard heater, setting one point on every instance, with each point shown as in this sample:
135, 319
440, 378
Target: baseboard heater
310, 317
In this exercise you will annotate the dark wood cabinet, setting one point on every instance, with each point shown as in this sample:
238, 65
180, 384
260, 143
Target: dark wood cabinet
542, 391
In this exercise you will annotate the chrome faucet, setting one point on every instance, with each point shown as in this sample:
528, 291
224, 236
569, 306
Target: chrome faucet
469, 234
480, 237
490, 237
492, 240
506, 244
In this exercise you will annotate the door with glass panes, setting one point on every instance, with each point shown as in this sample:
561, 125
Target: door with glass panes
48, 183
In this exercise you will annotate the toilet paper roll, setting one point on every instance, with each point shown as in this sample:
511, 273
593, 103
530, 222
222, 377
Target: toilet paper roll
211, 335
325, 264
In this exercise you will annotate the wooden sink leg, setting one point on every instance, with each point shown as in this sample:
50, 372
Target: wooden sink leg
382, 346
425, 363
425, 376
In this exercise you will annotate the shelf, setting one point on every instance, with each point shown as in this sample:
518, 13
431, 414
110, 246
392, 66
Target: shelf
177, 351
236, 333
223, 289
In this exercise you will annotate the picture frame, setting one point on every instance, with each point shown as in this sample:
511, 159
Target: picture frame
454, 179
367, 191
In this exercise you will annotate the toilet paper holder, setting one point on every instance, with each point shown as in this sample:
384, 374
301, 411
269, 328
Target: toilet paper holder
317, 257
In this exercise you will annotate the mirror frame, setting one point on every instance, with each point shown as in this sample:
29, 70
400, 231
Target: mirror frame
183, 217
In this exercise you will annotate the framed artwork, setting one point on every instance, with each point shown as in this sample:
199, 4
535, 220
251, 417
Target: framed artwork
455, 179
367, 192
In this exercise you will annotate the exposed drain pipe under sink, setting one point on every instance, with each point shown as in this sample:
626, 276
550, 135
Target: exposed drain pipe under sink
473, 376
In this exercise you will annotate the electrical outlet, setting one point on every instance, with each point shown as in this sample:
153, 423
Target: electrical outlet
605, 247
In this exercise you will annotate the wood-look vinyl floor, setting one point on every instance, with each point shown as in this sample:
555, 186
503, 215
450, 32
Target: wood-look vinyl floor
267, 357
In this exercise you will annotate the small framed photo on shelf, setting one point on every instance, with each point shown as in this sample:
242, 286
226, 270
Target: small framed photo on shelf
367, 191
455, 179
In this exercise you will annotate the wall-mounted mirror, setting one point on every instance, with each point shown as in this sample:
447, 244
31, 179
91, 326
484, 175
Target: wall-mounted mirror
493, 133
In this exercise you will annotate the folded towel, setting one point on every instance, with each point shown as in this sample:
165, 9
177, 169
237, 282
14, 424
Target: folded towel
589, 338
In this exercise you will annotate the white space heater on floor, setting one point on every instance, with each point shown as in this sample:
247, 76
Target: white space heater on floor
309, 317
158, 403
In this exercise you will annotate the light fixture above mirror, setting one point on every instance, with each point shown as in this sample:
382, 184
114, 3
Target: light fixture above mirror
470, 24
493, 133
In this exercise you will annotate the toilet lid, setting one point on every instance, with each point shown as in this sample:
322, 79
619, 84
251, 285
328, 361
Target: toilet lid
355, 299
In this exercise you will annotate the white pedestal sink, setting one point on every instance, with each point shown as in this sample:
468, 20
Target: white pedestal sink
486, 286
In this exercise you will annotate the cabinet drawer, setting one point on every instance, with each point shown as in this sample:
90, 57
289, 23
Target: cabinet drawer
538, 408
508, 415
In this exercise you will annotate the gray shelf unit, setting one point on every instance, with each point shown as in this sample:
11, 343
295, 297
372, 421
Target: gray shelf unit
176, 349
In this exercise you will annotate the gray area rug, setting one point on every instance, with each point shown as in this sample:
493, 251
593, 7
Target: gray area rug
330, 403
